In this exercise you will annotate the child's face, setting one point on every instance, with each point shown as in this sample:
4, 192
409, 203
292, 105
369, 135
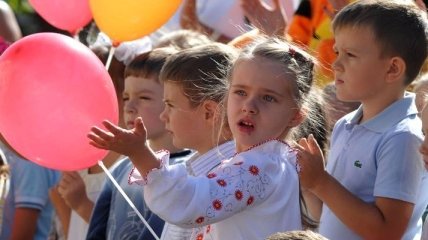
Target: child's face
260, 105
142, 97
421, 96
424, 146
359, 68
186, 124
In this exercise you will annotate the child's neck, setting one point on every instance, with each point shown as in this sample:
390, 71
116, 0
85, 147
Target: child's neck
371, 108
163, 143
207, 147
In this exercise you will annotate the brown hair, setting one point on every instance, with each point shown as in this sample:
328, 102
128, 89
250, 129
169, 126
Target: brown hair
200, 71
296, 235
399, 28
183, 39
149, 64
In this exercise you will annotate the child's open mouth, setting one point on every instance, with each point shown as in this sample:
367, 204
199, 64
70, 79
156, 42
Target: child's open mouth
245, 126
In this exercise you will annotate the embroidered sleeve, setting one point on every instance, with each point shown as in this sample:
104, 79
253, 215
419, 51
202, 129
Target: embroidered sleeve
239, 183
136, 177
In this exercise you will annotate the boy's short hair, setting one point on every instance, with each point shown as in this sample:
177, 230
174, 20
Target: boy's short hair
399, 28
296, 235
149, 64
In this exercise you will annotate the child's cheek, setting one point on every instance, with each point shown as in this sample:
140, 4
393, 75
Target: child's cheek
424, 151
426, 163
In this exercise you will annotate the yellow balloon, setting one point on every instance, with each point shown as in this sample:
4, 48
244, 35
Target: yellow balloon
125, 20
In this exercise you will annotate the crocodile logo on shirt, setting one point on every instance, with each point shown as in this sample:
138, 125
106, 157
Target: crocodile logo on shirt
358, 164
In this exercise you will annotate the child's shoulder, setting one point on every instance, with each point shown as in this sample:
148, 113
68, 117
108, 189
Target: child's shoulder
400, 116
266, 146
270, 151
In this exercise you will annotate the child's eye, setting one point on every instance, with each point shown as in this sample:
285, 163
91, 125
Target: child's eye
145, 98
269, 98
125, 99
169, 105
350, 54
240, 92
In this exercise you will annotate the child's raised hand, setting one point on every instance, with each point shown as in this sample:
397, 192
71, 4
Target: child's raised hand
269, 21
311, 162
120, 140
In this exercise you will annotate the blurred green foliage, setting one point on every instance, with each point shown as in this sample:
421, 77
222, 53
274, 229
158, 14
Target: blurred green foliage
29, 21
20, 6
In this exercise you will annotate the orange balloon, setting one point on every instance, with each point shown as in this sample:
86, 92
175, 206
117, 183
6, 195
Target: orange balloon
125, 20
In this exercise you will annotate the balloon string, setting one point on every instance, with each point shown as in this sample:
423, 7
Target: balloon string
101, 164
110, 57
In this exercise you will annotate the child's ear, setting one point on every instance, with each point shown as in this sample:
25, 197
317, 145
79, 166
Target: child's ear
396, 70
298, 118
210, 109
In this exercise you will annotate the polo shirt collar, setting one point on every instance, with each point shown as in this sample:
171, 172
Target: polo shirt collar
390, 116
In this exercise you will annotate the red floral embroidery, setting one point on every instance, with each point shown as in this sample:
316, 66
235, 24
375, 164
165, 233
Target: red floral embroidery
200, 236
250, 200
200, 220
217, 204
208, 228
259, 144
238, 195
238, 163
211, 175
221, 182
254, 170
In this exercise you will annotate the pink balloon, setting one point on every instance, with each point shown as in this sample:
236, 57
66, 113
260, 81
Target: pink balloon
69, 15
52, 90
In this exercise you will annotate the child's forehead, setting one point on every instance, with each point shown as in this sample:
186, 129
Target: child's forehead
140, 81
357, 29
422, 90
263, 73
143, 78
173, 87
173, 84
355, 36
260, 63
421, 86
424, 117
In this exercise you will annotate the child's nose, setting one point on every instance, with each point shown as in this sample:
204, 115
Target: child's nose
250, 106
163, 116
129, 106
337, 65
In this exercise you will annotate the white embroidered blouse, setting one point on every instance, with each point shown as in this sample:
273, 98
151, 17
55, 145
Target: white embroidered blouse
249, 196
